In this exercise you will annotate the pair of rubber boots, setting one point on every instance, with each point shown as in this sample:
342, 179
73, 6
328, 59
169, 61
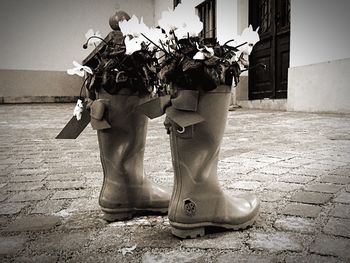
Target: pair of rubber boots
197, 200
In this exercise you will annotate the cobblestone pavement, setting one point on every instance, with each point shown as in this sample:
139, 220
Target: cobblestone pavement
298, 164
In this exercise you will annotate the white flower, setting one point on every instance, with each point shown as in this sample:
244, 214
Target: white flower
251, 37
193, 26
78, 109
199, 56
183, 20
168, 21
154, 37
132, 44
203, 53
94, 40
79, 70
136, 33
133, 27
248, 36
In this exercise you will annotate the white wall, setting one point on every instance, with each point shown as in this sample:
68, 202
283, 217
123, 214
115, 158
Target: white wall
41, 38
318, 77
322, 87
48, 35
320, 31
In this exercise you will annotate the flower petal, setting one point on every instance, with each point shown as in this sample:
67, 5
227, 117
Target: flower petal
76, 64
72, 71
209, 51
80, 72
78, 109
199, 56
87, 69
182, 19
132, 45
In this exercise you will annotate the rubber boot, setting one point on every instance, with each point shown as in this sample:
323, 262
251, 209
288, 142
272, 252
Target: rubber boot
197, 200
126, 192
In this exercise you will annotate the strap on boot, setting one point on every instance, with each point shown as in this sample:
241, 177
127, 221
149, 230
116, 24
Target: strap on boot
98, 109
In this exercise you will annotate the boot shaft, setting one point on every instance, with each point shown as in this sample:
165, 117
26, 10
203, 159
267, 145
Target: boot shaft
124, 143
195, 159
122, 149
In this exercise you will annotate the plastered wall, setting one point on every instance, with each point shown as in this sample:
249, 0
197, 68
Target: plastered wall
41, 38
318, 78
48, 35
320, 31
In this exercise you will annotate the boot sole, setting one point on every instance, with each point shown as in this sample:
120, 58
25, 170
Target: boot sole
185, 231
112, 215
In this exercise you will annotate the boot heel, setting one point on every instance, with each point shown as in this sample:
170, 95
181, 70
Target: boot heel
188, 233
111, 217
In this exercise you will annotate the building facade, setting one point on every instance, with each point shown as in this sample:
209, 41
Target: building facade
304, 43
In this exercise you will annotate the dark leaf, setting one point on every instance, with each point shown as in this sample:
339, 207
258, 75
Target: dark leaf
189, 64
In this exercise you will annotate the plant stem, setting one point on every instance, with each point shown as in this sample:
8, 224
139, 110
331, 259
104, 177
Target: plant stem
155, 44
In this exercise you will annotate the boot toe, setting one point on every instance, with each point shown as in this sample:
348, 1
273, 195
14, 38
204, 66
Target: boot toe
253, 200
243, 209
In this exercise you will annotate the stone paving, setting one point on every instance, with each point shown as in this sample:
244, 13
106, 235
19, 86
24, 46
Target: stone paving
297, 163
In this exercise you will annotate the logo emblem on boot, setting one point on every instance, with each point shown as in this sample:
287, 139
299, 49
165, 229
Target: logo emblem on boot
189, 207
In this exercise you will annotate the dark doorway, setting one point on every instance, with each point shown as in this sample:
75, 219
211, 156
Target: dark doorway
273, 18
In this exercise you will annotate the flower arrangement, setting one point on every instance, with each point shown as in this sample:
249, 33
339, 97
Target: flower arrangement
184, 59
119, 66
153, 60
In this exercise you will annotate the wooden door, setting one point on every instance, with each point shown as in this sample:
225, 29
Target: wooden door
273, 18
